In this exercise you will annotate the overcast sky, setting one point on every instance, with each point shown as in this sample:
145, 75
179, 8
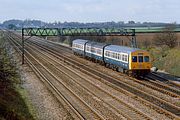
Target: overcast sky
91, 10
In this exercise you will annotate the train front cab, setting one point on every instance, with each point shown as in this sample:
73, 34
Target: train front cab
139, 63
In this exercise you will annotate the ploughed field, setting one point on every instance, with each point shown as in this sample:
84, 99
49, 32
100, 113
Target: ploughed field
91, 91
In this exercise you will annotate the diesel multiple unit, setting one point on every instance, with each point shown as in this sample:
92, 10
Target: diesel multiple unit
132, 61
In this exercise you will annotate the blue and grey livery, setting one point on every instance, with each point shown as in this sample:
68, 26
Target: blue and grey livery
125, 59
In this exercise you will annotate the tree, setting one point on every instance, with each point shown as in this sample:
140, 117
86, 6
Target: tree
12, 26
168, 37
131, 22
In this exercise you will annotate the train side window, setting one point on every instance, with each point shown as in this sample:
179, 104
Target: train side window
111, 54
140, 58
146, 58
87, 48
92, 49
125, 58
99, 51
134, 58
116, 56
122, 57
107, 53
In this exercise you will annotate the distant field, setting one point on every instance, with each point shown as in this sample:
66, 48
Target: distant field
151, 29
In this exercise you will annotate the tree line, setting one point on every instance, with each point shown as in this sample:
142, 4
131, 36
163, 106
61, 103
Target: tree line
18, 24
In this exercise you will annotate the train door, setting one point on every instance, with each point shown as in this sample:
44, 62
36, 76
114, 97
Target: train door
140, 61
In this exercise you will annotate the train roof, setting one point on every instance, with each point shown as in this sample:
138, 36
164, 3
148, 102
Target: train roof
96, 44
123, 49
80, 41
115, 48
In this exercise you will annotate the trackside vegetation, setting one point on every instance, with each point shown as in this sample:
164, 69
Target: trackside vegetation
14, 104
166, 59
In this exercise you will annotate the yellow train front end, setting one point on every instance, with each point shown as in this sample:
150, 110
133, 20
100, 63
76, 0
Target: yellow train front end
139, 63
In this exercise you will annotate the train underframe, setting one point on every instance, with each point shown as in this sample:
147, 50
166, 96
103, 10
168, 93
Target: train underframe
139, 73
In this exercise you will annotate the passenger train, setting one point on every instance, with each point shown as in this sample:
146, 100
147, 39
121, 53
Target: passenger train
132, 61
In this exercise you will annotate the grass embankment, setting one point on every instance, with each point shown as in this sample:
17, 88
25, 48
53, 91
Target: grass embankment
166, 59
13, 101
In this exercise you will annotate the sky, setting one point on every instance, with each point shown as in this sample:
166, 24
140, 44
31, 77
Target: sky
91, 10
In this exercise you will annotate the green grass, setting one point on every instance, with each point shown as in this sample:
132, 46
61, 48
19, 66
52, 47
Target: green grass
167, 59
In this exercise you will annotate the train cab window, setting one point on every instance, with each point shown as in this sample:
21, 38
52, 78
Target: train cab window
140, 58
146, 58
134, 58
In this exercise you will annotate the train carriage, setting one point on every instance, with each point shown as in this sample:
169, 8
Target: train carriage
94, 50
117, 57
127, 60
78, 46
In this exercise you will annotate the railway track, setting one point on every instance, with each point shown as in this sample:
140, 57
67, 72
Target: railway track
135, 114
150, 83
119, 84
78, 106
175, 92
120, 106
68, 50
155, 76
160, 103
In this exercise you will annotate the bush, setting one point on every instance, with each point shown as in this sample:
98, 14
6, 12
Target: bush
168, 37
